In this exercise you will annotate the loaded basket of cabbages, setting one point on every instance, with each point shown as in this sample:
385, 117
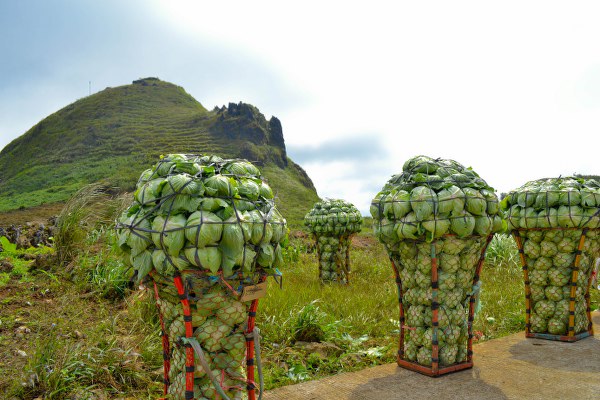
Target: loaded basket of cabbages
436, 219
556, 225
203, 234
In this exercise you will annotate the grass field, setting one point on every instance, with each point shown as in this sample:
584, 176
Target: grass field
77, 331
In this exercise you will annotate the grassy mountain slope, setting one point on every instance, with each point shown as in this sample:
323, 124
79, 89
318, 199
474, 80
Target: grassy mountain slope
113, 135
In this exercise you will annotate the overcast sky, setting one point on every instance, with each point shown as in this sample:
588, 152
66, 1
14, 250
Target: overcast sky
510, 88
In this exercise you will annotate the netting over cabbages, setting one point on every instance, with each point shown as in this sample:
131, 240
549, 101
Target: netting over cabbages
204, 233
556, 224
333, 222
436, 219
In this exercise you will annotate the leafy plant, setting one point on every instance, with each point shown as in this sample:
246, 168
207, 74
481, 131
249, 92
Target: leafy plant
6, 245
308, 324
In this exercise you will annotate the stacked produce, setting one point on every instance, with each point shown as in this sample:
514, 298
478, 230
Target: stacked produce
332, 222
435, 220
556, 225
212, 224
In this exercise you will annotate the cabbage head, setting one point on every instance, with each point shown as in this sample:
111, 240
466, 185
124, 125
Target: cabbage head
406, 228
590, 198
547, 218
209, 258
483, 225
400, 204
436, 227
423, 200
220, 186
569, 197
203, 228
462, 223
569, 216
546, 199
476, 203
529, 218
149, 192
232, 239
168, 233
451, 199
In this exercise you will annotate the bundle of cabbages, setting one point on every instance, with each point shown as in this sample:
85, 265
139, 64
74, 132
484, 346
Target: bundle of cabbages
332, 222
436, 208
214, 223
550, 216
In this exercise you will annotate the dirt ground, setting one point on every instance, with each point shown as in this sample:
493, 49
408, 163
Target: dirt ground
37, 215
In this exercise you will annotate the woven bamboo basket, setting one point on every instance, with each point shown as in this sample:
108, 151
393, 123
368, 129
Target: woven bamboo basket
576, 290
435, 366
186, 364
340, 258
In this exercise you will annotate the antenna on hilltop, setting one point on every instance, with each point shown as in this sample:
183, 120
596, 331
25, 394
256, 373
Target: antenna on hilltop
90, 88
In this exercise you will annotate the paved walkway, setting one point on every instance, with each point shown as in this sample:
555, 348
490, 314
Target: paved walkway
512, 367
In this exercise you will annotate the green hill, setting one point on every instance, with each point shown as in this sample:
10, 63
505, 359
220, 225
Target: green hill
113, 135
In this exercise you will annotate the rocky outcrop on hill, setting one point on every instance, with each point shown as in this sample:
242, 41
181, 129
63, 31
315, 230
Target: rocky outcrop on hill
263, 138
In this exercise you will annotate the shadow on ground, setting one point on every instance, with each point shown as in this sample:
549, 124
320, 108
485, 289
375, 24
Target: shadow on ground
548, 354
403, 384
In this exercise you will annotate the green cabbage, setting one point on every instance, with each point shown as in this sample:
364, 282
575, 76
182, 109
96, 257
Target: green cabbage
569, 216
400, 204
569, 197
423, 200
529, 218
278, 225
180, 203
181, 184
476, 204
483, 225
265, 191
261, 231
451, 199
546, 199
547, 218
266, 255
212, 204
220, 186
462, 223
241, 168
207, 258
142, 263
590, 198
165, 265
232, 239
249, 189
246, 258
406, 228
139, 237
168, 233
436, 227
203, 228
591, 218
149, 192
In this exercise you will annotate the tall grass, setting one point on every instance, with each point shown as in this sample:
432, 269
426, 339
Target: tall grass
502, 250
60, 368
79, 216
85, 240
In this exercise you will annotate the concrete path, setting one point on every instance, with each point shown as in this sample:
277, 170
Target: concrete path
512, 367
